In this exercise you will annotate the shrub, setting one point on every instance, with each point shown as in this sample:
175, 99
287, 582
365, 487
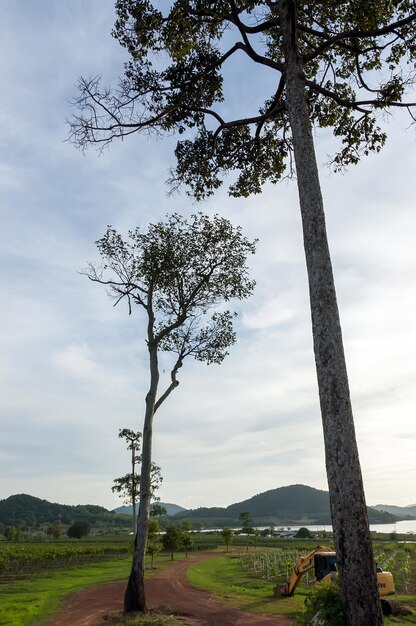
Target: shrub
13, 534
325, 601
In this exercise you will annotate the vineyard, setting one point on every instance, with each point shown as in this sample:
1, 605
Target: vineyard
23, 560
276, 565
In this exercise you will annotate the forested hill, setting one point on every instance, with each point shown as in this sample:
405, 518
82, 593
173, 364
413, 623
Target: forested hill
407, 512
171, 509
32, 512
293, 505
285, 505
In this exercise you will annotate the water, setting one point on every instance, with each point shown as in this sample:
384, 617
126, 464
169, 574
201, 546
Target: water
405, 526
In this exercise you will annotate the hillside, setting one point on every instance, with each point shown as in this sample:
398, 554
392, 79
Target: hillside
171, 509
32, 512
295, 504
400, 511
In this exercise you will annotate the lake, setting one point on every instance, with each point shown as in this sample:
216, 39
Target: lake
406, 526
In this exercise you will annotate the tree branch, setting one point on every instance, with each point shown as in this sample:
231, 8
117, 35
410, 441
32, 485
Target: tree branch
174, 383
352, 34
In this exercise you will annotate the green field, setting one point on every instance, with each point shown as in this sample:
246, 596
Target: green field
233, 585
24, 602
42, 575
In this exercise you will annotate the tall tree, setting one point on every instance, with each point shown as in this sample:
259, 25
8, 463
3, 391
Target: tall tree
337, 64
172, 540
187, 540
246, 526
128, 486
227, 536
153, 540
179, 273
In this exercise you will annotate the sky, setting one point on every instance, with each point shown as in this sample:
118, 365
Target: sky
73, 368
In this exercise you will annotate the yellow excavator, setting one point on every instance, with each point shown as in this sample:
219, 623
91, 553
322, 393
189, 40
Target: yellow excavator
324, 562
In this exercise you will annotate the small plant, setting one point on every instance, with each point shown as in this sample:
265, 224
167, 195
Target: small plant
324, 603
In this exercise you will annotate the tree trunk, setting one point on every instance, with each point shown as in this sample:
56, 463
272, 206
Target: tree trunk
348, 508
133, 485
134, 597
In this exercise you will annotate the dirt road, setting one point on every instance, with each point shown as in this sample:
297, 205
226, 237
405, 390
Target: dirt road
169, 589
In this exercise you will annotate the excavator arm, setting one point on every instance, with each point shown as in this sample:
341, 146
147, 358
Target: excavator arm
323, 561
303, 564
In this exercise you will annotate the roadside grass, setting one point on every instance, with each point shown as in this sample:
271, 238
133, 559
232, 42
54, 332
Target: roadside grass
152, 618
232, 585
24, 602
30, 602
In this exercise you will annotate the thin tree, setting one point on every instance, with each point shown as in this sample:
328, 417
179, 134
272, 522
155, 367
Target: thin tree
128, 486
179, 273
187, 540
227, 536
336, 64
153, 540
246, 526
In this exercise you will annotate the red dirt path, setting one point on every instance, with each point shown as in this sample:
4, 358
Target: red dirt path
168, 589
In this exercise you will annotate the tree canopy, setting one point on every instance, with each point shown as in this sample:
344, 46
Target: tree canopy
177, 271
357, 58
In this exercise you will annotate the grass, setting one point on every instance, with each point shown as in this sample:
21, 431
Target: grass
232, 585
223, 577
24, 602
28, 602
408, 601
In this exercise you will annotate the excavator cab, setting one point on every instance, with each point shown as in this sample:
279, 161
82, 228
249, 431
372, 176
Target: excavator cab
325, 564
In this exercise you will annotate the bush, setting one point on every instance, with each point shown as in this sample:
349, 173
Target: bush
326, 601
78, 530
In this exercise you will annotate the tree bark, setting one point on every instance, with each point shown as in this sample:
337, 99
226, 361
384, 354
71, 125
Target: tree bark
348, 508
135, 597
133, 485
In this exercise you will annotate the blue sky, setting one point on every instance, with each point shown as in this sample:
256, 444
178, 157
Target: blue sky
73, 369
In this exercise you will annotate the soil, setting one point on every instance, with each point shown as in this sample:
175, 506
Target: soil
168, 589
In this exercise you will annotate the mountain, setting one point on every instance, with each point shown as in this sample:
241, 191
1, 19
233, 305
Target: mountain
32, 512
171, 509
294, 504
400, 511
